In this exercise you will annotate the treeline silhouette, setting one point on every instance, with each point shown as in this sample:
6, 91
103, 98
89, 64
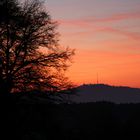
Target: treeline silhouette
71, 121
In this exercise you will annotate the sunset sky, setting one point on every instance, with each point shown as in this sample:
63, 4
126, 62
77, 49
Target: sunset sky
106, 36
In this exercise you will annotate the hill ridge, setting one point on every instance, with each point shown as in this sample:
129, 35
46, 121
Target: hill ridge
104, 92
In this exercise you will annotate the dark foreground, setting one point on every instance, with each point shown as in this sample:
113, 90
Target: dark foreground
70, 122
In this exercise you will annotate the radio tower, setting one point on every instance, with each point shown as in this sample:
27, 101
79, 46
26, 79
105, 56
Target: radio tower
97, 79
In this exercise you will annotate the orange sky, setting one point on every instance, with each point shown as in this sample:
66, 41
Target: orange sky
106, 36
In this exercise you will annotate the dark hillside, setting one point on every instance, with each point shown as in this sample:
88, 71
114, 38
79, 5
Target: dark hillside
73, 121
101, 92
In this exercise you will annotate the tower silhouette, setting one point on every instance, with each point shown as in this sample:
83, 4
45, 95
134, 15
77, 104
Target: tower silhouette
97, 79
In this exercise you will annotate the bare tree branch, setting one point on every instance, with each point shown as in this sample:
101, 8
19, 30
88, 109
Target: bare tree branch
25, 28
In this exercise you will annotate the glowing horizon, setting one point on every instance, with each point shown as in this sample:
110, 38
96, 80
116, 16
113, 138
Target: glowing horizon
106, 36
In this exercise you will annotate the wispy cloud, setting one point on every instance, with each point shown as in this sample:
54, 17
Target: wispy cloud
119, 32
91, 20
91, 25
132, 35
117, 17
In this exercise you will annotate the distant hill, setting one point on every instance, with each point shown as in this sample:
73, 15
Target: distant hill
102, 92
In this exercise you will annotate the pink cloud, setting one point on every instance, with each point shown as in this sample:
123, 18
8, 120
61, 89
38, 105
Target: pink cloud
90, 25
117, 17
91, 20
132, 35
79, 23
111, 30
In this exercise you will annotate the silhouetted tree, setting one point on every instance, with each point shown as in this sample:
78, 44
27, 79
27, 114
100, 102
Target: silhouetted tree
30, 56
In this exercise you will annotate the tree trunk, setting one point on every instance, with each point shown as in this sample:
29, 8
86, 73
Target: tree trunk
5, 95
